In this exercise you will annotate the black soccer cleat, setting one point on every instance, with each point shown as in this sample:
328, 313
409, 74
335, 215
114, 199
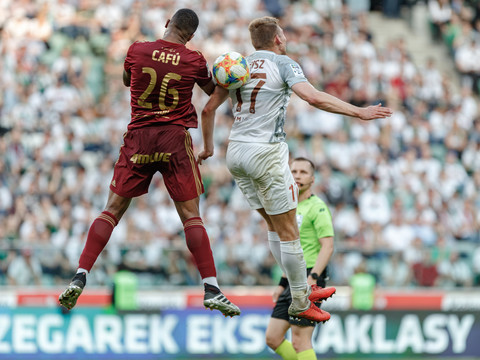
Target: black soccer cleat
214, 299
69, 296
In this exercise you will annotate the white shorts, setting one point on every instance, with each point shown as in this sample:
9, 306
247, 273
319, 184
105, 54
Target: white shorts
262, 173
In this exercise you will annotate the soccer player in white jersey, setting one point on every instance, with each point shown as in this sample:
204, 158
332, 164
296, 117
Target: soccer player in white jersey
257, 154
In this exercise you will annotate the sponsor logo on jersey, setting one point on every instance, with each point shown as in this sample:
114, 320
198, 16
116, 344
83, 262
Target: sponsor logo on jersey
297, 70
146, 159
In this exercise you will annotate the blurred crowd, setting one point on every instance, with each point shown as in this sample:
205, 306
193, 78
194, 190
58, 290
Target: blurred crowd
403, 192
457, 24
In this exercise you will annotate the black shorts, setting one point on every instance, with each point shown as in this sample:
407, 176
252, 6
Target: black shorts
280, 311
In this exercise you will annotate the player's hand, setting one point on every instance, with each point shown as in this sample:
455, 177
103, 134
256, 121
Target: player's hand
375, 112
276, 294
311, 281
204, 155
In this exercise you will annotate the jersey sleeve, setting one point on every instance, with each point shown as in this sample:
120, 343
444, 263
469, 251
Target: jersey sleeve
290, 71
204, 76
127, 65
322, 220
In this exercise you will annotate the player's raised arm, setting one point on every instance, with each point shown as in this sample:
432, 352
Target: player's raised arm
208, 121
323, 101
209, 88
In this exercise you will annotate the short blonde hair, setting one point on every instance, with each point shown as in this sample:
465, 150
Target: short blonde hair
263, 31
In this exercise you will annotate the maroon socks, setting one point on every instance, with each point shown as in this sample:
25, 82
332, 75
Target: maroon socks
199, 245
98, 236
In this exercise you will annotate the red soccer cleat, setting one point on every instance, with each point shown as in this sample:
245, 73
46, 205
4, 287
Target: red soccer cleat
318, 293
313, 313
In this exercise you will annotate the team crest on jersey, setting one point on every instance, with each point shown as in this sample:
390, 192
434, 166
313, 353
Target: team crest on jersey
297, 70
299, 220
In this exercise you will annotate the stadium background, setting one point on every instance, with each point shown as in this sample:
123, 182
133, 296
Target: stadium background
403, 192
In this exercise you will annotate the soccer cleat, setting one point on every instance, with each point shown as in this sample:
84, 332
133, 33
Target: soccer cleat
318, 293
312, 313
214, 299
69, 296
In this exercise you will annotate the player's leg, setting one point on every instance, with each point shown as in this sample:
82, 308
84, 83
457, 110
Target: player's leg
197, 239
262, 174
302, 342
198, 244
278, 193
273, 239
280, 199
292, 256
278, 327
248, 167
101, 229
97, 238
273, 187
130, 179
293, 261
275, 339
184, 184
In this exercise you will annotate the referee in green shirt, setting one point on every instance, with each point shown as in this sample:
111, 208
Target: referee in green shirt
316, 236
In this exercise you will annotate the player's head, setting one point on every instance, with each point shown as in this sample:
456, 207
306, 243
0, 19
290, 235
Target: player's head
303, 171
184, 22
266, 34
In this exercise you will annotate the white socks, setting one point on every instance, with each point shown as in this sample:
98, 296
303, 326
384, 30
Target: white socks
274, 243
80, 270
289, 256
211, 281
295, 268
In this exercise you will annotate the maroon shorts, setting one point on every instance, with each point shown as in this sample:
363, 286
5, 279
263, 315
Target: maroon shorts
165, 148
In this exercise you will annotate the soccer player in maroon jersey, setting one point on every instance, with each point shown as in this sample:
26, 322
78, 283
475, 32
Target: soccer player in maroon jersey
161, 76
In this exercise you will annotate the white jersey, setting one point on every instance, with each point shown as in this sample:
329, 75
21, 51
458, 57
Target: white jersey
260, 106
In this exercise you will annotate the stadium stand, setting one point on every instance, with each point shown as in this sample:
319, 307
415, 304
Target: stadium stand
403, 192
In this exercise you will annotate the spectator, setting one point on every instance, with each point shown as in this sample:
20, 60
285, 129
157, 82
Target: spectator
363, 288
395, 272
425, 272
440, 13
398, 235
374, 206
455, 271
24, 269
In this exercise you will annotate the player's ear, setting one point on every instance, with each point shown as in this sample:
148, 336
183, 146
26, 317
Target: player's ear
277, 40
168, 22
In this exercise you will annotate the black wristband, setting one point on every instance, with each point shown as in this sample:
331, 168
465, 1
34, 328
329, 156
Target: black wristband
283, 282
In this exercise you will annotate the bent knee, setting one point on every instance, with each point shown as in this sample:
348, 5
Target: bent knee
301, 344
272, 341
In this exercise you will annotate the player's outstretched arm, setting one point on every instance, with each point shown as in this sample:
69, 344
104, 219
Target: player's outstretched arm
208, 121
323, 101
209, 88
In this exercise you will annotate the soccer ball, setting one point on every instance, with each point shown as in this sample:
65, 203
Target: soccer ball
231, 70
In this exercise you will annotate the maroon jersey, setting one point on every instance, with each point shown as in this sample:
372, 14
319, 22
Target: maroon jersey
162, 78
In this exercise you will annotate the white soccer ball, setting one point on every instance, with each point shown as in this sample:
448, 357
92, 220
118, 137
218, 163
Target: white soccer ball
231, 70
